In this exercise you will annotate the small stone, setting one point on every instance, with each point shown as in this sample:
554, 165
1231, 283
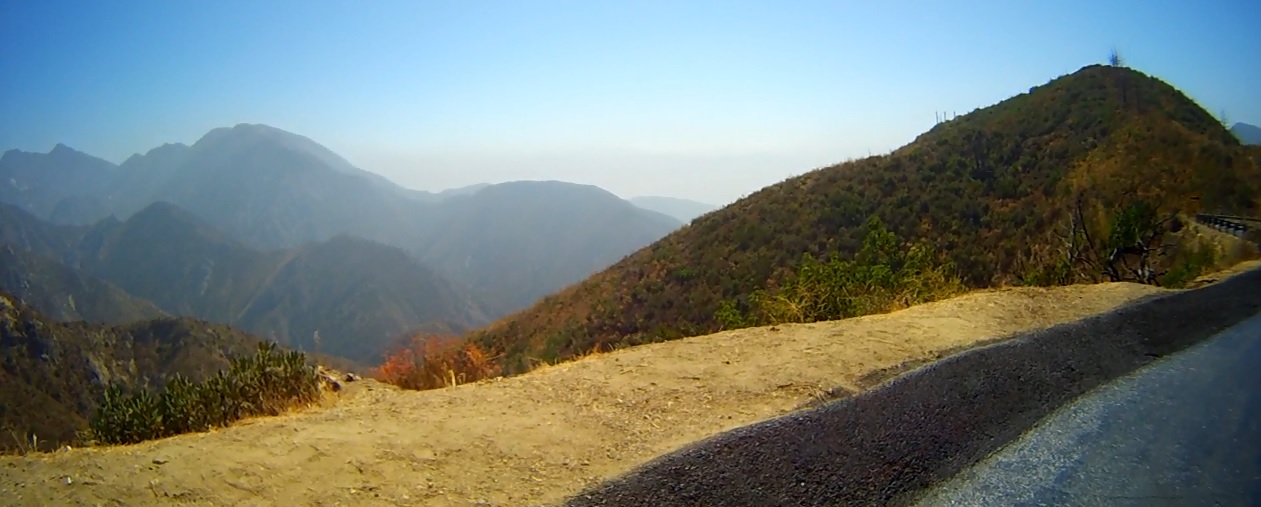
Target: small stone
160, 461
68, 480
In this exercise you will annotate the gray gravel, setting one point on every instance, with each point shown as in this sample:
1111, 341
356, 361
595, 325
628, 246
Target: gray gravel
889, 445
1185, 430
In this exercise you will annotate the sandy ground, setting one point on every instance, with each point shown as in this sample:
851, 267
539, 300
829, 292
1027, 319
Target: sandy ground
537, 438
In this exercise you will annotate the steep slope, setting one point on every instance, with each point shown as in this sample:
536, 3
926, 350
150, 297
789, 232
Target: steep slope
166, 255
989, 188
140, 178
24, 231
53, 375
358, 294
64, 294
683, 210
514, 242
1247, 134
39, 182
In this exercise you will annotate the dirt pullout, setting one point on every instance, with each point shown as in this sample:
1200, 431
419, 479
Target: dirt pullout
888, 445
537, 438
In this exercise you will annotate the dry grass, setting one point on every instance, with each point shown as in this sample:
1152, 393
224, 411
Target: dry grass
535, 438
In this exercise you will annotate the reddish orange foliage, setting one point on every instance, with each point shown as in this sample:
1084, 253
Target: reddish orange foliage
433, 361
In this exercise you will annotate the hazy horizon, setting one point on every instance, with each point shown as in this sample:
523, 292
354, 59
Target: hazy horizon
699, 100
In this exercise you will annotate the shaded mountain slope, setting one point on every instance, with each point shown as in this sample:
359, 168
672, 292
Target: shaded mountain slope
271, 189
53, 375
513, 243
359, 294
24, 231
989, 189
39, 182
168, 256
64, 294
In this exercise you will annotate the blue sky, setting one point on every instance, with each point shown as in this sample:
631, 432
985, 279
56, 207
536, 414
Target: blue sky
705, 100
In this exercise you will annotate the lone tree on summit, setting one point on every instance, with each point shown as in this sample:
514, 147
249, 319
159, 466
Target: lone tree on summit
1115, 59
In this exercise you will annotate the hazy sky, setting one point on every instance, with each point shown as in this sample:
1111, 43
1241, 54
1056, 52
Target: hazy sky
705, 100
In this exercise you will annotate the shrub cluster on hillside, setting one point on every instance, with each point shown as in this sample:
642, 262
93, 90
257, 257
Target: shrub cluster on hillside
884, 275
992, 190
266, 383
432, 361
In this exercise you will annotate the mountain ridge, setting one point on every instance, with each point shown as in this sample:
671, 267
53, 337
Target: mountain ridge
271, 189
988, 188
359, 294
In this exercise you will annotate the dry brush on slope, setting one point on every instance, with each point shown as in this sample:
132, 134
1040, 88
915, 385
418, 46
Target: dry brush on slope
989, 189
535, 439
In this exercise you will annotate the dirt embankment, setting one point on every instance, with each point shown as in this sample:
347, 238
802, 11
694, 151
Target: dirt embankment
537, 438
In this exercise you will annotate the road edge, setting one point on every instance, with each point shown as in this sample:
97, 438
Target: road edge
887, 445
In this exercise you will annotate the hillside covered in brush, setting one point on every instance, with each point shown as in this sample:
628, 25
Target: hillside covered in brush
53, 375
989, 197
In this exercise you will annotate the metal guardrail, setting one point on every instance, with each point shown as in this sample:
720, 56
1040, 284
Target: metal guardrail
1233, 225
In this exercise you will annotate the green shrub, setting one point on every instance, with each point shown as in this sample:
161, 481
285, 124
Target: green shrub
1195, 261
266, 383
884, 275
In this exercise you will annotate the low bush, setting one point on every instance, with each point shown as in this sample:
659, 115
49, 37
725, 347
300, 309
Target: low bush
884, 275
267, 383
432, 361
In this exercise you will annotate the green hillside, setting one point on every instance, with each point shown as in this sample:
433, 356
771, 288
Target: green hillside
991, 190
52, 375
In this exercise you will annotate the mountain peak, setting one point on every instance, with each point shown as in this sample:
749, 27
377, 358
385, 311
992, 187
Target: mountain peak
62, 150
1247, 134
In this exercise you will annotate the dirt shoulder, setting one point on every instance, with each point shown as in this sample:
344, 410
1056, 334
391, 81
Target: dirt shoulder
888, 445
537, 438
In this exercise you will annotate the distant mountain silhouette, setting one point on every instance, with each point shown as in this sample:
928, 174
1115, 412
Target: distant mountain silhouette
683, 210
270, 189
1247, 134
359, 295
39, 182
513, 243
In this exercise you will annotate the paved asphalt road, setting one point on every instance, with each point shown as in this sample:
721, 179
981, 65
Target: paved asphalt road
889, 445
1185, 430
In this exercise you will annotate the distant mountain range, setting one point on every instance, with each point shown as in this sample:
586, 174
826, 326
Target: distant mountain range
358, 295
682, 210
1247, 134
507, 244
